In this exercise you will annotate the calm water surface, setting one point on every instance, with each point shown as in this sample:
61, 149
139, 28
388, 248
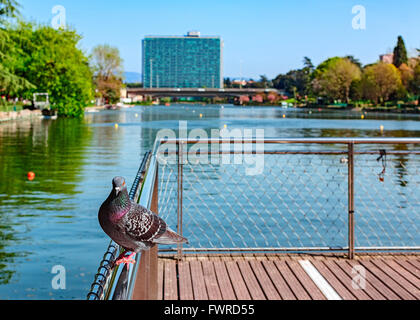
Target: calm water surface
53, 219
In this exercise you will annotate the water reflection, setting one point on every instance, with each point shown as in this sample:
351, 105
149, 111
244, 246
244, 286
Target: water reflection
54, 151
52, 220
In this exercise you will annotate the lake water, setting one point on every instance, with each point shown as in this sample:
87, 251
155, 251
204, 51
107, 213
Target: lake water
52, 220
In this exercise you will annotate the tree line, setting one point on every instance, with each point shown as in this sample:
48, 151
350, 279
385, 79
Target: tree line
345, 79
38, 58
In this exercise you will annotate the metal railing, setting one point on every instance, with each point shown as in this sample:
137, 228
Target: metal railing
326, 194
115, 282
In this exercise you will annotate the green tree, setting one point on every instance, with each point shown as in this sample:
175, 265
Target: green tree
415, 82
307, 62
400, 53
8, 9
380, 81
334, 77
265, 83
51, 60
9, 81
296, 82
406, 74
228, 83
355, 61
108, 72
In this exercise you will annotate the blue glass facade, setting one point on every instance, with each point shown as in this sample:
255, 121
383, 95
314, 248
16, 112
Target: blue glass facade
182, 62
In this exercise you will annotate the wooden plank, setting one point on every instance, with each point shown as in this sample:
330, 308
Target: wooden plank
278, 281
222, 276
237, 281
376, 282
292, 281
160, 280
409, 267
170, 281
333, 280
264, 280
388, 281
414, 262
305, 280
197, 277
343, 273
146, 283
250, 281
403, 272
397, 277
185, 283
211, 281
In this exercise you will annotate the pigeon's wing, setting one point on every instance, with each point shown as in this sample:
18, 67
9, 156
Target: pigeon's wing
143, 225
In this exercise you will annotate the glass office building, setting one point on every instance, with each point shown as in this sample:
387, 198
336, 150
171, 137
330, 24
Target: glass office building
190, 61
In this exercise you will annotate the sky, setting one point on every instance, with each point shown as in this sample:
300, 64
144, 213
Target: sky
264, 37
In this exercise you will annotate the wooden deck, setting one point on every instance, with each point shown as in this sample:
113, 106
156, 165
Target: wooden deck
289, 277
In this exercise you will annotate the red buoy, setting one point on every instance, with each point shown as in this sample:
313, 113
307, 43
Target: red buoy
31, 176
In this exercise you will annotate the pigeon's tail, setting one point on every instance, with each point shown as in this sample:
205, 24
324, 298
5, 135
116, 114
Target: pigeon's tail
170, 237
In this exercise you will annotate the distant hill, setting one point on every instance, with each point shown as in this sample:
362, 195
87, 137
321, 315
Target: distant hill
132, 77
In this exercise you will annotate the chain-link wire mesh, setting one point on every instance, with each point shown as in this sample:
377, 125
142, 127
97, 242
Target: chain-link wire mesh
300, 200
387, 200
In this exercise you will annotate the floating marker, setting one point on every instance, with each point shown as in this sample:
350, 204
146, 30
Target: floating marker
225, 126
284, 116
363, 116
31, 176
116, 126
201, 115
136, 115
382, 128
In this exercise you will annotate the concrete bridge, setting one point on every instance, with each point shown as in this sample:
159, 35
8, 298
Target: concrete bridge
196, 92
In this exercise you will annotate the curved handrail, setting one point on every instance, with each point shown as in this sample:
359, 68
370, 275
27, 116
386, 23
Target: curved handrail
104, 286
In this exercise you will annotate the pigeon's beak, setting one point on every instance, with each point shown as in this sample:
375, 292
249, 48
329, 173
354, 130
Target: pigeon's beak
117, 190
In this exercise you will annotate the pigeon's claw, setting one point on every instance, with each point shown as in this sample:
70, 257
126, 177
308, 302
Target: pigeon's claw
126, 260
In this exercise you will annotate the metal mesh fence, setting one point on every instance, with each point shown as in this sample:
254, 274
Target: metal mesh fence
387, 202
300, 200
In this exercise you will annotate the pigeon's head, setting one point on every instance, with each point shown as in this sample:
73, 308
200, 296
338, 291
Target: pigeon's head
118, 184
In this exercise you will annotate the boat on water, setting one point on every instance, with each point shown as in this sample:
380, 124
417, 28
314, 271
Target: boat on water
41, 101
49, 114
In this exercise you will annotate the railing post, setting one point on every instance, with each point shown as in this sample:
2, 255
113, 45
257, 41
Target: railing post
180, 189
146, 286
351, 199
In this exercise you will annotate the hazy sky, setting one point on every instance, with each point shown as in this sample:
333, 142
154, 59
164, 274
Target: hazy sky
268, 36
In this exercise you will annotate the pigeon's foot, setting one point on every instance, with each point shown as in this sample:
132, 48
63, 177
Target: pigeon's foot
126, 260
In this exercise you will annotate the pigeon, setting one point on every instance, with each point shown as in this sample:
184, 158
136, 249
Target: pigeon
131, 225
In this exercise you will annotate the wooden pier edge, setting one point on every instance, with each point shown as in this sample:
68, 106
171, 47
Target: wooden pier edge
146, 284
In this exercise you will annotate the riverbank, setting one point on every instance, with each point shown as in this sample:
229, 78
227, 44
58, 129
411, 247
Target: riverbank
108, 107
412, 109
380, 109
16, 115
